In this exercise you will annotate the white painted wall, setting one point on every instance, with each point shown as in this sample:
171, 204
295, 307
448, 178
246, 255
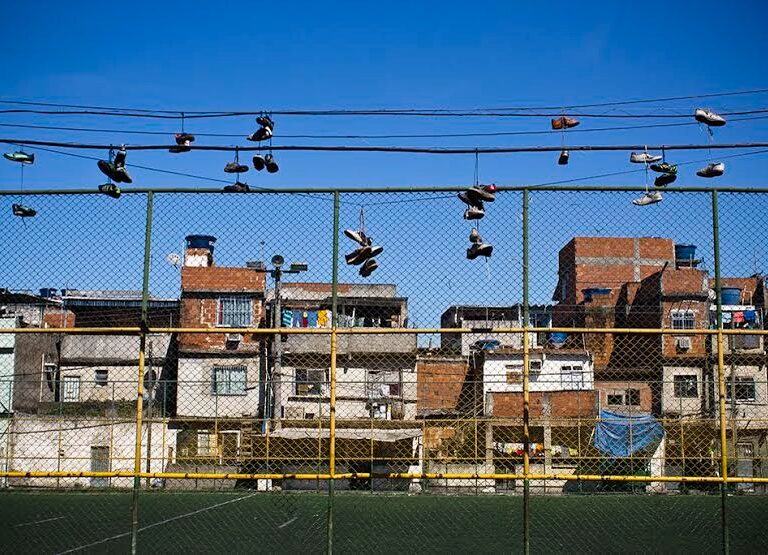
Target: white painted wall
51, 444
551, 377
195, 397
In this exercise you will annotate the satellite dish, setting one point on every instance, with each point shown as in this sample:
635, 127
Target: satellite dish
173, 259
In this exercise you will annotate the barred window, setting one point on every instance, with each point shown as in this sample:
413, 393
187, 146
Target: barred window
235, 312
683, 320
229, 380
686, 385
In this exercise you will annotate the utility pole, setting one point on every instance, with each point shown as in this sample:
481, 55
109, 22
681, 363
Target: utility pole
274, 376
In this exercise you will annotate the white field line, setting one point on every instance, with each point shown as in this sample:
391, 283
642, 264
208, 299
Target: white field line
284, 524
159, 523
38, 521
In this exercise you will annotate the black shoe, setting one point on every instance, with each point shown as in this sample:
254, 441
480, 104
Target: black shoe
259, 163
358, 256
237, 187
108, 169
470, 201
260, 135
368, 267
269, 161
664, 179
110, 189
563, 158
479, 249
121, 175
235, 167
266, 121
23, 211
183, 139
119, 160
664, 168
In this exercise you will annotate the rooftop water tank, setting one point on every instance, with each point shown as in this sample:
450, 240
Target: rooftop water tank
730, 295
200, 242
685, 252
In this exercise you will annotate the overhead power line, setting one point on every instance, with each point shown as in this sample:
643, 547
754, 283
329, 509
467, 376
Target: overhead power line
398, 111
422, 113
384, 136
399, 149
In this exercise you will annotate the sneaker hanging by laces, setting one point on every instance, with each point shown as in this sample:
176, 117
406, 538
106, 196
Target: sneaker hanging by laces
237, 187
23, 211
110, 189
715, 169
235, 167
368, 267
664, 168
19, 156
709, 117
651, 197
564, 122
562, 160
664, 179
643, 158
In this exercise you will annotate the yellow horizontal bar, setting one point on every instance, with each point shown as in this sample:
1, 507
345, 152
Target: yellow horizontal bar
378, 331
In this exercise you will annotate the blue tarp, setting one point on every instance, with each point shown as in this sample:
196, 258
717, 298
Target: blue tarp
621, 435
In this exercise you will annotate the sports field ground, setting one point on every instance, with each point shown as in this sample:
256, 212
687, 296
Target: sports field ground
245, 521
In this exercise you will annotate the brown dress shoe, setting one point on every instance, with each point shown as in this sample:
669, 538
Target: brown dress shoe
564, 123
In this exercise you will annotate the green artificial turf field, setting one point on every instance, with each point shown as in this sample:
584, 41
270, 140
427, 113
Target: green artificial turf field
245, 521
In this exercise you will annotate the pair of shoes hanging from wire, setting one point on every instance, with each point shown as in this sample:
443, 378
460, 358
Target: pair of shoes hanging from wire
668, 175
710, 119
478, 247
562, 124
475, 197
25, 159
265, 131
366, 252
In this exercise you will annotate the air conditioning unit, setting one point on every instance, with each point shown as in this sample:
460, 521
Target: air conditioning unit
294, 413
233, 337
684, 343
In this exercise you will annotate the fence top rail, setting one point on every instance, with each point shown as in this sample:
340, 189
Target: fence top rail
390, 190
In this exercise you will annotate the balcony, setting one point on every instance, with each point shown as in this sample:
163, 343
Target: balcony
364, 343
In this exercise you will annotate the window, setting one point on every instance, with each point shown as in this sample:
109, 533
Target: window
624, 398
535, 366
383, 383
235, 312
514, 373
743, 387
206, 444
71, 389
683, 320
686, 385
101, 377
229, 380
572, 377
309, 381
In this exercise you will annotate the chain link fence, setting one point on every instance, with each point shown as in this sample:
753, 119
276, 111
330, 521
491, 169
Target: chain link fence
229, 371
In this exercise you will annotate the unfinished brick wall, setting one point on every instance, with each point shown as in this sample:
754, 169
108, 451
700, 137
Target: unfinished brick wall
201, 289
604, 388
439, 383
554, 404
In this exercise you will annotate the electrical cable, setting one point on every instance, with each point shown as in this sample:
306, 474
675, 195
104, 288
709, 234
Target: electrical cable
432, 114
398, 149
287, 112
400, 136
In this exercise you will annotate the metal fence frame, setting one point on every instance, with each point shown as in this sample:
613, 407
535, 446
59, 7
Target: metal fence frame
332, 475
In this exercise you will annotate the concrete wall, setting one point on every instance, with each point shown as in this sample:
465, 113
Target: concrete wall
51, 444
499, 372
195, 396
368, 343
684, 406
352, 393
756, 410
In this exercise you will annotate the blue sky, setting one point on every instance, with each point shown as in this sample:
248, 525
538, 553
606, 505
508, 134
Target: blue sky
253, 56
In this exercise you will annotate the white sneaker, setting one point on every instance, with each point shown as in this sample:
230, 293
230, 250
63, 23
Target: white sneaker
710, 118
643, 158
712, 170
474, 213
651, 197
